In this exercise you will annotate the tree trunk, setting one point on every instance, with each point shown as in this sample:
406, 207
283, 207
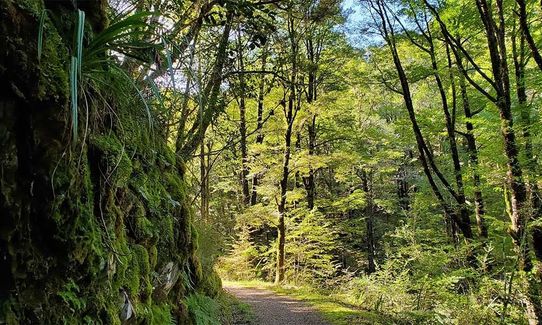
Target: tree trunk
313, 55
290, 114
310, 185
473, 159
423, 150
497, 49
203, 183
284, 188
524, 26
450, 128
369, 214
243, 124
472, 149
533, 192
520, 210
259, 125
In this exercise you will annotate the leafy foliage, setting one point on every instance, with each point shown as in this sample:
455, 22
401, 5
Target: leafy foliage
398, 175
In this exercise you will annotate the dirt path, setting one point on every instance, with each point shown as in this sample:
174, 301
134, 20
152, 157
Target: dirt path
272, 309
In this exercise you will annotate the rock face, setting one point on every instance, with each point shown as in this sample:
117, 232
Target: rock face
88, 219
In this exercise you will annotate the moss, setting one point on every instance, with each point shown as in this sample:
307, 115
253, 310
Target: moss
132, 275
135, 129
176, 187
211, 284
153, 256
53, 81
114, 160
161, 314
145, 229
34, 7
89, 246
71, 295
149, 191
166, 226
141, 255
9, 317
169, 157
106, 212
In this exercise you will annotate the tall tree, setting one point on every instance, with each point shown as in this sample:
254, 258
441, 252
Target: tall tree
472, 149
526, 32
427, 35
242, 89
262, 89
291, 109
493, 20
387, 29
369, 214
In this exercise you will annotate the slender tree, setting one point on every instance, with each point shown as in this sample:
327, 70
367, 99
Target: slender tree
369, 215
291, 108
387, 30
493, 20
260, 119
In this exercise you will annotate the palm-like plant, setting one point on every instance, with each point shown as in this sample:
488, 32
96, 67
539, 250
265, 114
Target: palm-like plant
95, 65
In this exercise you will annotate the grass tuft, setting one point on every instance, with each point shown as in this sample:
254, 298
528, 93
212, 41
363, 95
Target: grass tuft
40, 33
73, 94
79, 38
75, 72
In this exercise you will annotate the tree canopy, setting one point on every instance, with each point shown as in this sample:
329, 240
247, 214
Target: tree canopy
386, 155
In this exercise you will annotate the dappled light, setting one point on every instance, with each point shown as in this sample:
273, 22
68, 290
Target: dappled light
268, 162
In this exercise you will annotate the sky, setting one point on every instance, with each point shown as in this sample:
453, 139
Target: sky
353, 19
357, 15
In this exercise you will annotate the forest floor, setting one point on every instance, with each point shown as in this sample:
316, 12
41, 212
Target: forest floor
300, 306
270, 308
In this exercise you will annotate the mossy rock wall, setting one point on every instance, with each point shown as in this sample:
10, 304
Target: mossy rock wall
94, 229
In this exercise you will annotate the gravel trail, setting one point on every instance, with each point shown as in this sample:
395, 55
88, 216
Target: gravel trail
272, 309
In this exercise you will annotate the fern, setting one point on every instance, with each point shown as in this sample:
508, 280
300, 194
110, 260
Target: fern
204, 310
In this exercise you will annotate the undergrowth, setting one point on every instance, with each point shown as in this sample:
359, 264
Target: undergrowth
423, 280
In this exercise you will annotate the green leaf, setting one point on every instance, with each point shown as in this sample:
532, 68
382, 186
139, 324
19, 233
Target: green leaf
73, 94
169, 62
79, 39
40, 33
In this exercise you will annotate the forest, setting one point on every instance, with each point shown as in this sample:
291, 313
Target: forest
210, 162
